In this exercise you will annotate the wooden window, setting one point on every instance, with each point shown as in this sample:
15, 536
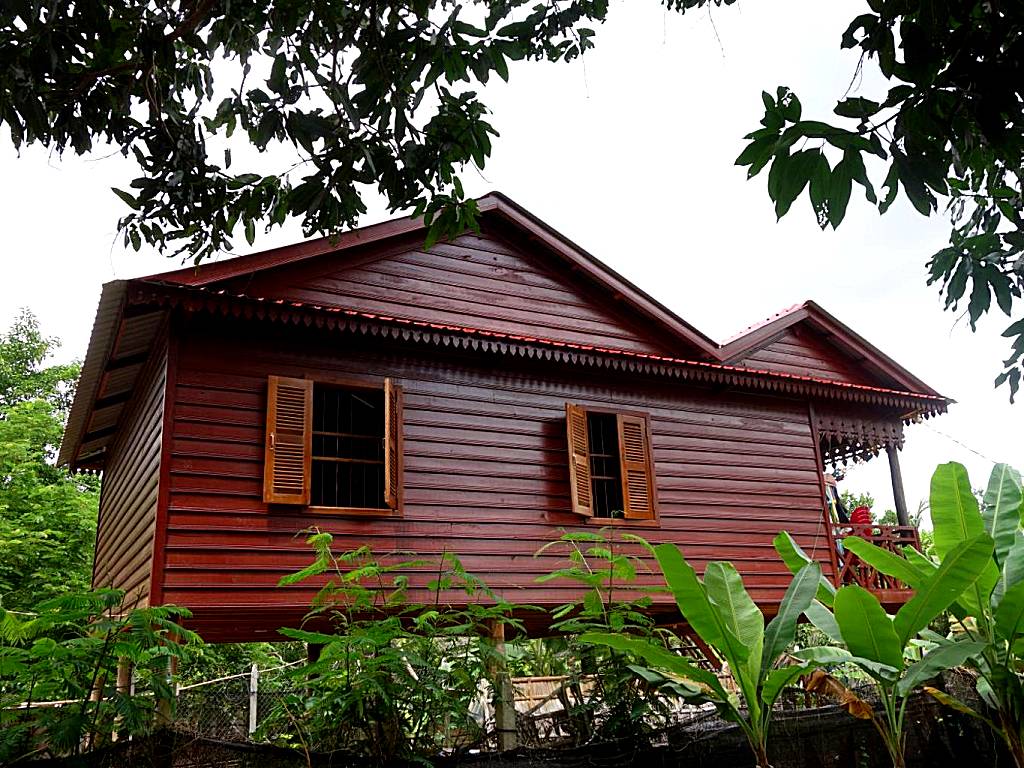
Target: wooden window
289, 440
332, 445
611, 471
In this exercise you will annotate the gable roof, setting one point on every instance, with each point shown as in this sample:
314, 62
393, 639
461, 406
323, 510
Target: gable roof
494, 207
886, 371
130, 317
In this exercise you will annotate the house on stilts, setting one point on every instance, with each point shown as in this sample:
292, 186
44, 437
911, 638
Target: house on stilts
476, 397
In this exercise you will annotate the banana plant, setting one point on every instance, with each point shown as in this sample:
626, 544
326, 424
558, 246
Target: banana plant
879, 644
990, 610
719, 609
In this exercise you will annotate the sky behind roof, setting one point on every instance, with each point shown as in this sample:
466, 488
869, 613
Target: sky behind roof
628, 152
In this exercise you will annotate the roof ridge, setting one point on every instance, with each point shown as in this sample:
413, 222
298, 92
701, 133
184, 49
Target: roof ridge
762, 323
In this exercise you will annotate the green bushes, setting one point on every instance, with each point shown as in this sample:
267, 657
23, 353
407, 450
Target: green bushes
394, 679
67, 651
610, 700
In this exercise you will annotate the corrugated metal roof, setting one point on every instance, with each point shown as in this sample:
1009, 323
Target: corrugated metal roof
121, 340
118, 349
104, 334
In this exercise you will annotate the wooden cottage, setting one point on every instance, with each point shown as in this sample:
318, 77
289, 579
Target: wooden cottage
477, 397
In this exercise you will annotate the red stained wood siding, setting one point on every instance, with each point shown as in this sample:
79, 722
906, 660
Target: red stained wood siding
485, 475
481, 281
801, 351
129, 497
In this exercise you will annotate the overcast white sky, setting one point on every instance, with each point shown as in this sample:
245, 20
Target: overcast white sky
629, 152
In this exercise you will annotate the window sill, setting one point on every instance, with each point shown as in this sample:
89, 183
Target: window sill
353, 511
603, 522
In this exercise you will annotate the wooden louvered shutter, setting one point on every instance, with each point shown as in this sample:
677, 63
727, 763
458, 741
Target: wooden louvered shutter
579, 460
287, 467
392, 444
637, 468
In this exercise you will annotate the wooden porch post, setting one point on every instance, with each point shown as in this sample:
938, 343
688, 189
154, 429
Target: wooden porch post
897, 485
504, 695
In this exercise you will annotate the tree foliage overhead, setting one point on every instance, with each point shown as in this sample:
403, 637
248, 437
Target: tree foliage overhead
948, 133
369, 94
385, 95
47, 517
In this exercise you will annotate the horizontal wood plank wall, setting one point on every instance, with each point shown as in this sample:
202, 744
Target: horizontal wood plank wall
128, 499
486, 471
480, 281
799, 351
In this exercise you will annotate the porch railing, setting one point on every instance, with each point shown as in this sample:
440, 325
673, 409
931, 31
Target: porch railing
853, 570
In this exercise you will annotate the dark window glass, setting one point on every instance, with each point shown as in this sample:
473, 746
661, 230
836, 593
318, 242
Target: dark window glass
348, 447
605, 467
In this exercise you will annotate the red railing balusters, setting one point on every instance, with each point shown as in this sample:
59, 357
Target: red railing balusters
853, 570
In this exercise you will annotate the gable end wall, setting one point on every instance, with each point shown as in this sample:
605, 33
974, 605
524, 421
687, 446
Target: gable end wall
800, 351
131, 479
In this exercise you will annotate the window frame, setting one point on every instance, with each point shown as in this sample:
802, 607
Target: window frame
378, 384
654, 521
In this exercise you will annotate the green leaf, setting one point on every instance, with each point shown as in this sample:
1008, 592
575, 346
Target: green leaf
935, 661
795, 559
859, 174
318, 638
738, 613
777, 680
958, 570
1001, 512
885, 561
955, 704
277, 81
794, 177
840, 187
658, 657
1009, 617
824, 655
954, 510
757, 154
891, 184
781, 630
134, 203
1013, 569
822, 618
857, 107
867, 630
689, 594
818, 189
956, 519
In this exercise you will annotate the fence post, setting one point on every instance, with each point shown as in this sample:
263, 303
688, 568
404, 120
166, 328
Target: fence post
123, 686
254, 685
504, 694
165, 707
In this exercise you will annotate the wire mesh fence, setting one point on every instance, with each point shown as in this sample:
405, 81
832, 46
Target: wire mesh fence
821, 737
232, 708
236, 708
220, 723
